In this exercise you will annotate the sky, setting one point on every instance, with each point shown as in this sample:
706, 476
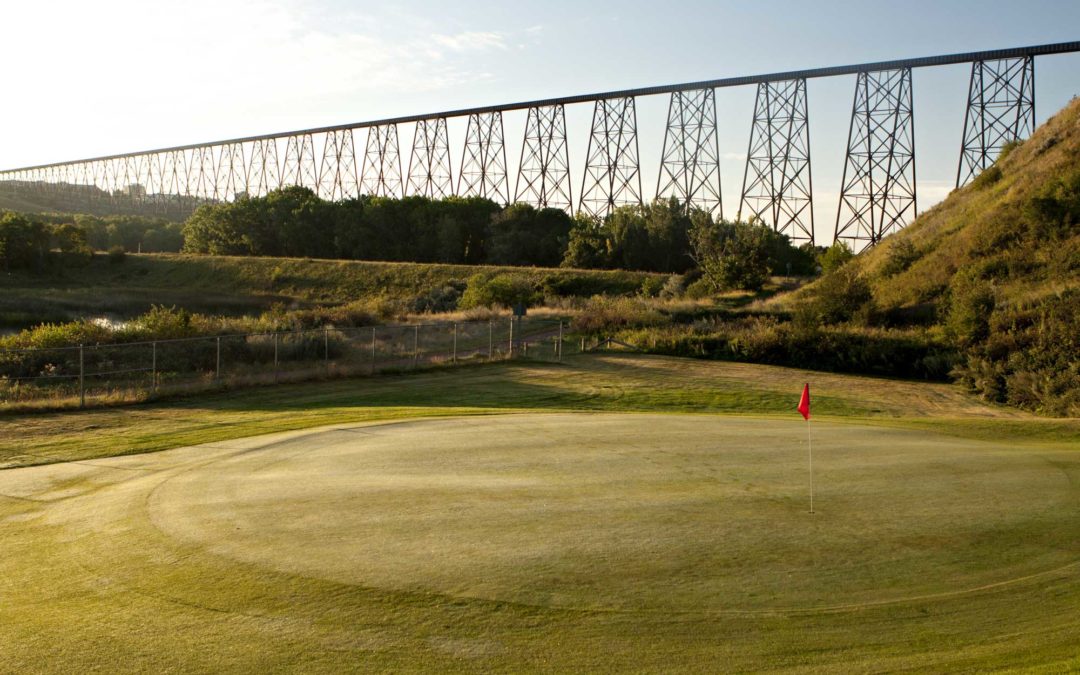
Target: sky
87, 79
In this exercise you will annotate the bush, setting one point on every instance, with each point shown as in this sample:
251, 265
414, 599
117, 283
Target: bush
733, 255
442, 299
900, 255
501, 290
835, 257
971, 300
837, 297
987, 178
117, 255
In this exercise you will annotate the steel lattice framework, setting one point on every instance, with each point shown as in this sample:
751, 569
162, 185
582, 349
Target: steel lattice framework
429, 164
483, 165
690, 166
777, 184
612, 173
544, 170
1000, 110
337, 174
878, 189
381, 175
877, 192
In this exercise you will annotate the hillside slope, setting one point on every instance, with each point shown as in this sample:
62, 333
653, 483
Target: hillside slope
999, 225
994, 270
238, 285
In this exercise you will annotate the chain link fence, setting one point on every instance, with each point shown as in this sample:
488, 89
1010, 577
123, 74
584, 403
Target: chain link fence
105, 373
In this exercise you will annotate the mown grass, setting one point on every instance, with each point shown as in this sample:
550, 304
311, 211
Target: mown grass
591, 383
91, 578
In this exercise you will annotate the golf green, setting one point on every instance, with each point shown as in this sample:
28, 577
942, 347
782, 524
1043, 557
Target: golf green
625, 512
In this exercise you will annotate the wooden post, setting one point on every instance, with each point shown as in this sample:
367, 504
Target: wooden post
275, 356
326, 348
558, 346
416, 346
491, 339
82, 372
153, 365
373, 350
217, 367
453, 359
511, 336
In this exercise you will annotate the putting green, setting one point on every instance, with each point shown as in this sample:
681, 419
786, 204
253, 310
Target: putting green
665, 513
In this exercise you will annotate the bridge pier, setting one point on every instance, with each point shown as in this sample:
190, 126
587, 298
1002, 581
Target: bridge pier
777, 184
430, 174
337, 175
544, 171
612, 170
877, 196
381, 175
299, 166
483, 164
1000, 110
690, 165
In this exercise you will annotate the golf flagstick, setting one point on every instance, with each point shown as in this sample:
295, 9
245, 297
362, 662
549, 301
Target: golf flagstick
804, 408
810, 450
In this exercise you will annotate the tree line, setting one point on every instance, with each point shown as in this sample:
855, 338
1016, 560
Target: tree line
295, 222
660, 237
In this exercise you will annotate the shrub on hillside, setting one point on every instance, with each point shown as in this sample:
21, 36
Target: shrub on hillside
837, 298
835, 256
899, 256
501, 290
1027, 357
971, 300
442, 299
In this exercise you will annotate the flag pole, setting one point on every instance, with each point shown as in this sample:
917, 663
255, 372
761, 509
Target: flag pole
810, 450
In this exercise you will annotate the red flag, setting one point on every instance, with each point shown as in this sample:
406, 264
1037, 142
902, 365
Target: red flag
804, 402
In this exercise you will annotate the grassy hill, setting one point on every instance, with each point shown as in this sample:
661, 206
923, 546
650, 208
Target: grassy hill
1015, 226
240, 285
993, 272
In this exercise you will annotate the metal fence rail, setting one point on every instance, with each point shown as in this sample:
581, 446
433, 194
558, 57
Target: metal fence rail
99, 373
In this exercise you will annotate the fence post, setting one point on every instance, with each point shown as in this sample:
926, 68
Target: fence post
491, 338
217, 362
416, 346
326, 348
558, 346
82, 388
454, 357
275, 356
511, 336
373, 350
153, 364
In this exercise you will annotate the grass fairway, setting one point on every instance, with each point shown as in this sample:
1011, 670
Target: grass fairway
947, 533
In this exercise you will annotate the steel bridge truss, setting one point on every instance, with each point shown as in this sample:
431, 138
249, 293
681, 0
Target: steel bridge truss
877, 192
777, 185
690, 165
612, 174
381, 175
1000, 110
544, 171
483, 165
429, 164
877, 195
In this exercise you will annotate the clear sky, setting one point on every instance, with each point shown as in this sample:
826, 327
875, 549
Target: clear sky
91, 78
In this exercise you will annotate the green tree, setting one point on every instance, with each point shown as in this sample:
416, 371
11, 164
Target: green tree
733, 255
24, 242
835, 256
